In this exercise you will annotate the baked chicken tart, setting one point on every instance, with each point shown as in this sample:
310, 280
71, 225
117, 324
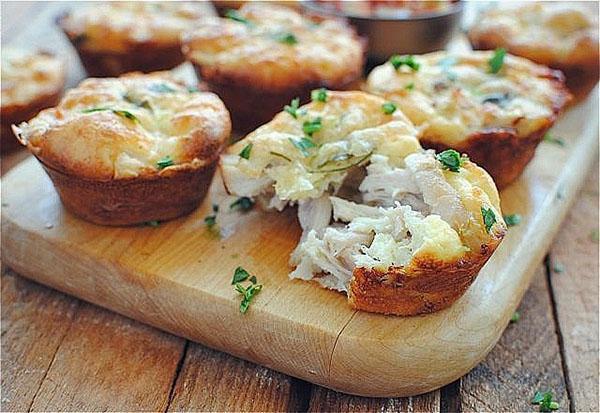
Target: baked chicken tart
490, 105
261, 56
31, 81
562, 35
398, 228
125, 36
128, 150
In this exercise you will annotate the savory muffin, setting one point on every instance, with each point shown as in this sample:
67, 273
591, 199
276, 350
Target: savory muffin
124, 36
562, 35
31, 81
262, 56
490, 105
127, 150
406, 236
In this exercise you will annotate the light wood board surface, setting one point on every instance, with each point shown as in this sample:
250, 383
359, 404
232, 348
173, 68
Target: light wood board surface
177, 277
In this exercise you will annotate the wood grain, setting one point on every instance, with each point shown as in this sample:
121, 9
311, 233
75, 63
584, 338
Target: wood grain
526, 359
574, 280
325, 400
163, 275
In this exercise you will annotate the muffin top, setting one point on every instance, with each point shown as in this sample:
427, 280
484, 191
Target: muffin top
134, 125
274, 48
451, 96
556, 34
29, 75
115, 26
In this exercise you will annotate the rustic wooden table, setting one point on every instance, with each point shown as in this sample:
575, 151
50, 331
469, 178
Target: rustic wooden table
60, 353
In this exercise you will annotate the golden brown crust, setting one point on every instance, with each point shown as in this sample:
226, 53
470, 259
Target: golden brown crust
426, 286
256, 75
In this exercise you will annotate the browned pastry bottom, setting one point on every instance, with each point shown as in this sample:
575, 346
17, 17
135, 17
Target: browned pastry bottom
130, 201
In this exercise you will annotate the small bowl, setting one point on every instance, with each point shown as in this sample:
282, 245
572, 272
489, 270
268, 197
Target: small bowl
422, 33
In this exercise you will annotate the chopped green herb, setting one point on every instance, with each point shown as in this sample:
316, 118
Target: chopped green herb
303, 144
161, 88
286, 37
253, 280
152, 223
489, 218
388, 108
342, 168
280, 155
558, 267
319, 95
544, 399
248, 294
164, 162
410, 86
548, 137
515, 317
236, 16
239, 275
409, 60
210, 220
139, 103
512, 219
244, 204
245, 153
292, 108
215, 208
451, 160
497, 60
310, 127
125, 114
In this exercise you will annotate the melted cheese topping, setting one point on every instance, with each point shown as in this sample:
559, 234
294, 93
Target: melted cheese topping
353, 128
452, 96
276, 47
549, 33
28, 75
115, 26
122, 127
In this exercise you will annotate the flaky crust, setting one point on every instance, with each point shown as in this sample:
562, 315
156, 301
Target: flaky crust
501, 140
105, 146
256, 74
563, 36
120, 37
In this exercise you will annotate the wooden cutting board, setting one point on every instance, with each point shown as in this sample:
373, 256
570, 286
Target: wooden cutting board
177, 277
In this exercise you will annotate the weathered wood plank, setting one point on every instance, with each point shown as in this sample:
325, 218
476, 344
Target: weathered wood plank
35, 321
107, 362
214, 381
574, 267
325, 400
527, 358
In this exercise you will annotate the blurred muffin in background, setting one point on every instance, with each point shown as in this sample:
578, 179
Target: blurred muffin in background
119, 37
31, 81
262, 56
223, 5
492, 106
560, 35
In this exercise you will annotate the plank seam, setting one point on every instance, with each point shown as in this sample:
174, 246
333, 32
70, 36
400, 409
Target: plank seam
559, 336
177, 374
335, 344
62, 339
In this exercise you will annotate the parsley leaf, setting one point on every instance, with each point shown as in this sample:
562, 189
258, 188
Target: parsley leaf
388, 108
319, 95
210, 220
512, 219
245, 153
410, 86
489, 218
279, 155
244, 204
164, 162
409, 60
548, 137
248, 294
292, 108
236, 16
343, 168
119, 112
239, 275
310, 127
161, 88
451, 160
286, 37
497, 60
544, 399
303, 144
515, 317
